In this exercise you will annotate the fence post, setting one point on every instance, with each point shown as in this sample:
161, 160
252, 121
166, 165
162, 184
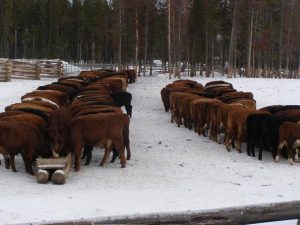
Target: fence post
38, 70
60, 70
8, 70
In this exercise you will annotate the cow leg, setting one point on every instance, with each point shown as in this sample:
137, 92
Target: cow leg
172, 117
199, 131
238, 144
232, 142
190, 126
249, 147
6, 161
120, 147
84, 153
251, 143
27, 158
227, 140
195, 124
239, 137
77, 153
260, 153
262, 146
290, 155
29, 166
203, 131
213, 131
184, 121
12, 162
252, 148
88, 152
128, 110
115, 154
280, 147
127, 145
274, 151
297, 154
107, 147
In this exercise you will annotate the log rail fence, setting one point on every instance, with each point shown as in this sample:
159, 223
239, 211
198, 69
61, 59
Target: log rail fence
33, 69
226, 216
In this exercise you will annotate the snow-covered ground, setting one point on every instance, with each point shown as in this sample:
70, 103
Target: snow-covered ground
172, 169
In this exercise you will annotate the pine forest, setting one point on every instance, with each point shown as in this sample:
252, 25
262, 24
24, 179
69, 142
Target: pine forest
251, 38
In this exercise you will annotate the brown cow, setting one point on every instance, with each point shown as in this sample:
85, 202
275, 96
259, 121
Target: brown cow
237, 124
199, 111
28, 105
211, 120
165, 94
289, 137
235, 95
98, 109
176, 99
28, 118
131, 75
221, 121
22, 138
69, 135
68, 90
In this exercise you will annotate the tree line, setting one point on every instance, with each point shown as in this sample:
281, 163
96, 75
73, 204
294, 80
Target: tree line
237, 37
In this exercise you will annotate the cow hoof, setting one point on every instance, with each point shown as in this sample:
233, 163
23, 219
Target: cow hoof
276, 159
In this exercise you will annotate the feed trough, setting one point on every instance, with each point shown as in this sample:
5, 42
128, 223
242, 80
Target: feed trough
55, 168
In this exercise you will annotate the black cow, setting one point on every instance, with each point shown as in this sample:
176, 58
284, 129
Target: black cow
278, 108
123, 98
87, 152
254, 132
270, 131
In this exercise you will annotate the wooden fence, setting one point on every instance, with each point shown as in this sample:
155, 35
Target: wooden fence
226, 216
34, 70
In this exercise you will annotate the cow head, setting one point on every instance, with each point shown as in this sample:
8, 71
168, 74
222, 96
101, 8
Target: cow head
58, 130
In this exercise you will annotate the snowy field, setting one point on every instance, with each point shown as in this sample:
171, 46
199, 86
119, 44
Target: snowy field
172, 169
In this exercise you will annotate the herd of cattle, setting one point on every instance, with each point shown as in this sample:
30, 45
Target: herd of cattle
67, 116
218, 108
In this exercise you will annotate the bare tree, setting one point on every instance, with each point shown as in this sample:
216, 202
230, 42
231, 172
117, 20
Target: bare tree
120, 36
232, 40
169, 39
137, 38
249, 49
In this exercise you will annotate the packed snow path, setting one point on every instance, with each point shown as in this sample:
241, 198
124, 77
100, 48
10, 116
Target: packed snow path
172, 169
